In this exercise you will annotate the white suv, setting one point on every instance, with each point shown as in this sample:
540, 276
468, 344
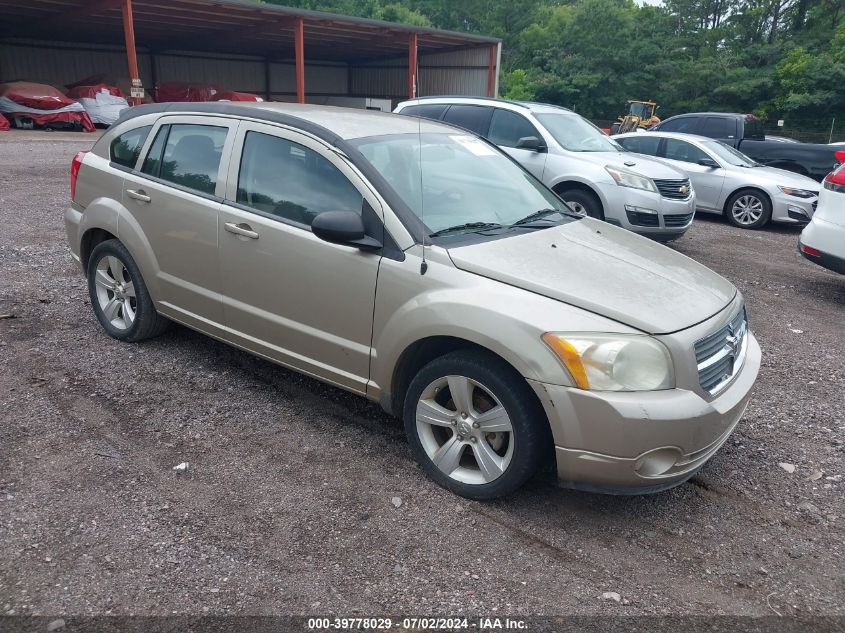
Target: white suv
593, 173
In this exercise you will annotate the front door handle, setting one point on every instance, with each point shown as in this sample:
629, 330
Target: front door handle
244, 230
139, 195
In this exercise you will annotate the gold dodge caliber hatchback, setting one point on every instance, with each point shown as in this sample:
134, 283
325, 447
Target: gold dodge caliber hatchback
417, 265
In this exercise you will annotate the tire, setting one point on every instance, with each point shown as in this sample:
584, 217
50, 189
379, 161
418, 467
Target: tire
116, 287
499, 399
583, 202
748, 209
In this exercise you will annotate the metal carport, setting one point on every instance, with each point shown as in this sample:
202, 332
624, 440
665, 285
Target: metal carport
275, 51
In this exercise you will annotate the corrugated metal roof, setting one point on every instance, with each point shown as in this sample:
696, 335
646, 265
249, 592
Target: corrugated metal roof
232, 26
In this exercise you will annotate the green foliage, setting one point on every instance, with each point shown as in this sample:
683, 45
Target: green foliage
776, 58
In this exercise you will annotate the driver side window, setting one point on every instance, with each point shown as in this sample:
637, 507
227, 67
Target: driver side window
290, 181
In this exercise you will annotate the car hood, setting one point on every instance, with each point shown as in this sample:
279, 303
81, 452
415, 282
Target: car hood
606, 270
638, 163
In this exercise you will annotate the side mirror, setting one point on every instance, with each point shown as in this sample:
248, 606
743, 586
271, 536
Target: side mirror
708, 162
343, 227
531, 143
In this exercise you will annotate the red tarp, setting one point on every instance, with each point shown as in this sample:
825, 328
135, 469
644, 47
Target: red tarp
237, 96
91, 91
4, 124
33, 95
179, 91
42, 104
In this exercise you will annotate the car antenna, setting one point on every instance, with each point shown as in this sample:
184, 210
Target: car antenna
424, 263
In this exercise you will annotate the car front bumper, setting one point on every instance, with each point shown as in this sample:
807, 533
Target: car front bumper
632, 209
649, 441
791, 209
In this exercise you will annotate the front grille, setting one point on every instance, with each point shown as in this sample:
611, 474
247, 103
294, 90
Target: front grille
638, 218
674, 189
677, 220
720, 355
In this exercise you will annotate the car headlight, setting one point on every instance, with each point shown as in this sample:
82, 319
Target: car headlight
613, 362
625, 178
798, 193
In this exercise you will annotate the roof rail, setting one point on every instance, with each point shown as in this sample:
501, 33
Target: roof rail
508, 101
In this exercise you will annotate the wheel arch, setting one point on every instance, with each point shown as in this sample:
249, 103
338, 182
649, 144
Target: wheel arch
421, 352
89, 241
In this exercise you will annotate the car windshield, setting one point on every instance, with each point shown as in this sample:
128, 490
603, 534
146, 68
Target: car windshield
576, 134
465, 184
728, 154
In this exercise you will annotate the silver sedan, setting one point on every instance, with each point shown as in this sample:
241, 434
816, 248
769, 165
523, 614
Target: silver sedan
727, 181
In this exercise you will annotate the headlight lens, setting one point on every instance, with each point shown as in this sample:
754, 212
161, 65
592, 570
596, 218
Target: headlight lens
614, 362
798, 193
625, 178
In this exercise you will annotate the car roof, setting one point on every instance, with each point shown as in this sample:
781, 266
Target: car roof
508, 104
658, 133
330, 123
731, 114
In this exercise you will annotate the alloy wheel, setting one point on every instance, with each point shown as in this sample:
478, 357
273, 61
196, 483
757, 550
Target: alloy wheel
577, 208
115, 292
464, 430
747, 209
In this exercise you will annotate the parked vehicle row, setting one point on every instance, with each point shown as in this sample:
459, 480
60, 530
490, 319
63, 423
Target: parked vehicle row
419, 266
576, 160
726, 181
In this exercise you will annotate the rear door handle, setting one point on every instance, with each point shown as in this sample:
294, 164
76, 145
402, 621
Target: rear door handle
139, 195
244, 230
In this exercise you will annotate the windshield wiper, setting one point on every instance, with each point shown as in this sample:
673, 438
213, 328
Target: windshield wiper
537, 215
476, 226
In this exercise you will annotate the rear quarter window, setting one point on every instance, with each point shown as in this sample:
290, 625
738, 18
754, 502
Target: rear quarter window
126, 148
430, 111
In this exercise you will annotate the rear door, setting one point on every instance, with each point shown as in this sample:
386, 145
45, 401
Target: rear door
287, 294
506, 128
174, 196
706, 181
719, 127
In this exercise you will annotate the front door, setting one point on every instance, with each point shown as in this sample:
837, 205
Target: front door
287, 294
506, 128
707, 181
174, 196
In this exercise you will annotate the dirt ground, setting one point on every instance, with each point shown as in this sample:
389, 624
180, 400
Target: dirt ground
286, 507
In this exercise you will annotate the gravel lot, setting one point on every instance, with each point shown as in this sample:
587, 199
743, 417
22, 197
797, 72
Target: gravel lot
286, 507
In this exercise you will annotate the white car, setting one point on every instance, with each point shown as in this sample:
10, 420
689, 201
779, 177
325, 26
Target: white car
575, 159
727, 181
823, 240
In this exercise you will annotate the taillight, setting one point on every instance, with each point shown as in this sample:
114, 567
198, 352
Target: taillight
835, 180
840, 156
74, 172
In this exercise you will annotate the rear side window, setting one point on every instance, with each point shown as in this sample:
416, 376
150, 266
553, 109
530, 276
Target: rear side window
126, 148
506, 128
718, 127
683, 124
429, 111
683, 151
290, 181
187, 155
471, 117
642, 144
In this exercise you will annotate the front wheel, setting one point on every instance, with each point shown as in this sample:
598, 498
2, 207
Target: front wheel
119, 296
748, 209
475, 426
583, 203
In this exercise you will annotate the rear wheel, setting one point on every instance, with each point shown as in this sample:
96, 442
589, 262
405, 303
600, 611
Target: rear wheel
475, 426
583, 202
748, 209
119, 296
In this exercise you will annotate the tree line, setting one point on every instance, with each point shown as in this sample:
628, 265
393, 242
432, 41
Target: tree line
779, 59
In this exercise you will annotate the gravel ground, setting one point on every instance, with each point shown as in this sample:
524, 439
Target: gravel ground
287, 505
